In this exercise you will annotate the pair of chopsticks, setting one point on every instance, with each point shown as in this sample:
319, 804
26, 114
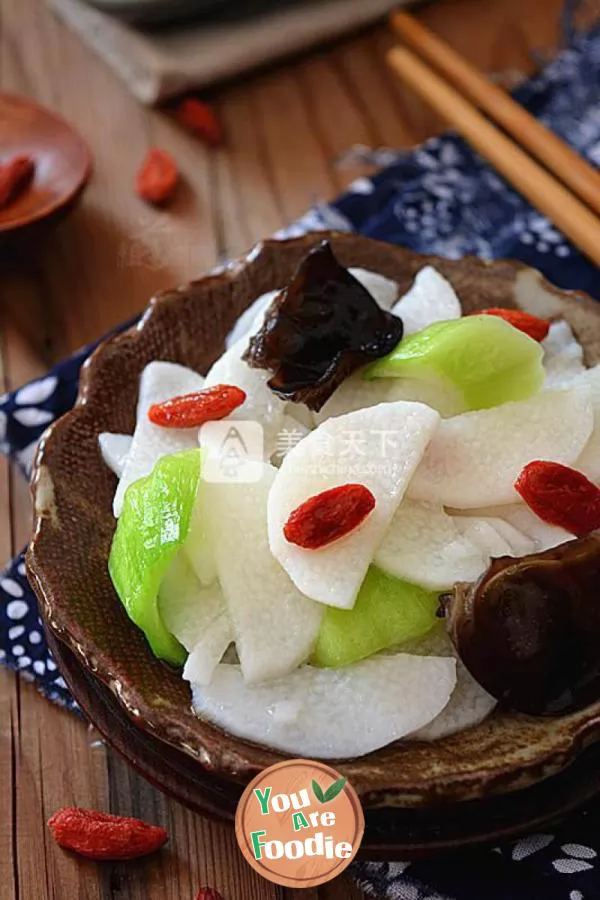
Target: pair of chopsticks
555, 197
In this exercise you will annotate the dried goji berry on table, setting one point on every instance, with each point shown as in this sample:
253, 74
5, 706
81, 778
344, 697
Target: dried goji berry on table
157, 177
15, 175
98, 835
207, 893
194, 410
328, 516
560, 496
518, 318
200, 119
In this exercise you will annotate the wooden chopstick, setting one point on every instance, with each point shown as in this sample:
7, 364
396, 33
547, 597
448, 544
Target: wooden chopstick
547, 194
561, 159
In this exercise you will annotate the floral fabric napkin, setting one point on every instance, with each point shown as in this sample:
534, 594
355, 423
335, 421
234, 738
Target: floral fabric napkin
441, 198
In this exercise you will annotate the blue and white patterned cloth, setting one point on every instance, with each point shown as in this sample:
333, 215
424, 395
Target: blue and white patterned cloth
442, 198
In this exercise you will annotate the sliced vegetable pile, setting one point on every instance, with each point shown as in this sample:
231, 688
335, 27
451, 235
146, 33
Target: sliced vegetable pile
411, 464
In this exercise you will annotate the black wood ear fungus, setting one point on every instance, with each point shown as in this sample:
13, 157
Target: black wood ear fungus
529, 629
319, 329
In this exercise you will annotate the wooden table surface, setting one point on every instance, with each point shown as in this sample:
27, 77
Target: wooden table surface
285, 128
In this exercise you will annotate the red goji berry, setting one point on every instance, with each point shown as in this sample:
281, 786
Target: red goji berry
328, 516
560, 496
15, 175
207, 893
200, 119
193, 410
518, 318
98, 835
157, 177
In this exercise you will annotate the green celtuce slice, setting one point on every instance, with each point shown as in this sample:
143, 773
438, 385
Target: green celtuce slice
387, 612
484, 357
154, 524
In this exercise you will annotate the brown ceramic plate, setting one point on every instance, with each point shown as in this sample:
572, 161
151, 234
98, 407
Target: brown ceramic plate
390, 832
62, 161
73, 493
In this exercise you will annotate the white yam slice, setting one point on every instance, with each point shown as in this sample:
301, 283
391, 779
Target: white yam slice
379, 447
291, 432
563, 355
423, 545
186, 607
474, 458
199, 544
208, 652
519, 544
541, 535
115, 450
356, 393
383, 290
197, 617
159, 382
430, 299
250, 320
261, 404
301, 413
353, 394
589, 461
275, 626
483, 535
469, 704
312, 713
573, 375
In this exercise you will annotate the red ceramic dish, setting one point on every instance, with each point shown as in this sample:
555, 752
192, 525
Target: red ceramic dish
63, 163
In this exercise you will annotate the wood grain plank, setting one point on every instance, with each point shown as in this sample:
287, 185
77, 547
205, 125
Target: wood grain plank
363, 70
343, 888
250, 174
5, 530
9, 872
229, 206
188, 243
83, 253
57, 767
498, 37
301, 894
54, 761
324, 90
201, 853
24, 308
294, 155
420, 120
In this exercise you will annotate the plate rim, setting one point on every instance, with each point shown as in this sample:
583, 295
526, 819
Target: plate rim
222, 752
408, 847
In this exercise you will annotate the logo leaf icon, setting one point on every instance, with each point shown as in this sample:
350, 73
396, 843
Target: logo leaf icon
334, 789
318, 791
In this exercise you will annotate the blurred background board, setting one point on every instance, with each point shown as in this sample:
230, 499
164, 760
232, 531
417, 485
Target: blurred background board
166, 46
170, 12
100, 267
